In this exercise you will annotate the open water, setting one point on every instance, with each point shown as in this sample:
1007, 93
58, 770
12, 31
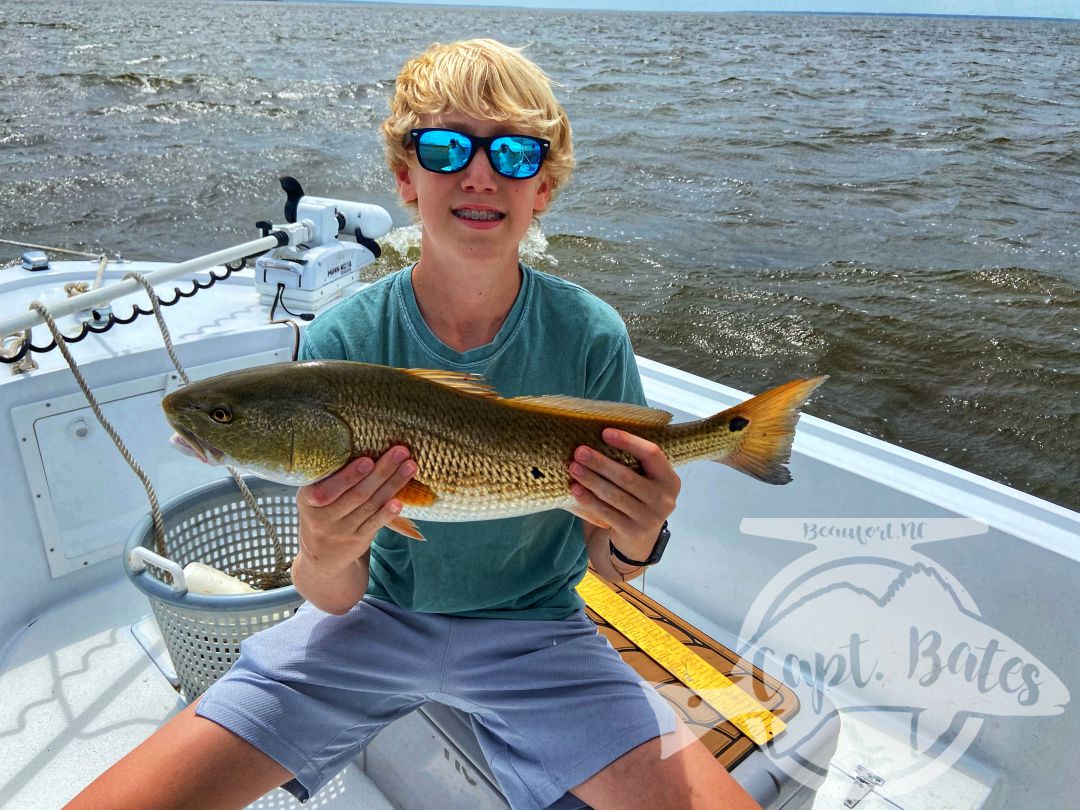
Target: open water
894, 201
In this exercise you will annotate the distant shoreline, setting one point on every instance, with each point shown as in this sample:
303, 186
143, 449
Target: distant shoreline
876, 14
681, 11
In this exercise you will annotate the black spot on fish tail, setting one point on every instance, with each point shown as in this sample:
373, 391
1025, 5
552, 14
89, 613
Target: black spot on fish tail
737, 423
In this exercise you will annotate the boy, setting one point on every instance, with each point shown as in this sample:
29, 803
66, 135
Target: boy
481, 616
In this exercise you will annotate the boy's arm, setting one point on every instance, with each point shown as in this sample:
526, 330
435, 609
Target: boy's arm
596, 544
330, 591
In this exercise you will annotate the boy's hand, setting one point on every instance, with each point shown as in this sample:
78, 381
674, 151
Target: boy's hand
340, 515
633, 505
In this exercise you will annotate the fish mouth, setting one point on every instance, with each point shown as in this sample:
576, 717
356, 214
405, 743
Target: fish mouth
191, 445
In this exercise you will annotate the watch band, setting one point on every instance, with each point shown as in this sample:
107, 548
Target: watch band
654, 557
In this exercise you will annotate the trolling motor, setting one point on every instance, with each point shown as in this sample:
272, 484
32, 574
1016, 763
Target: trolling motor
310, 276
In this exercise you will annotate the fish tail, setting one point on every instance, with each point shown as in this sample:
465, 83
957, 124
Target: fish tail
767, 422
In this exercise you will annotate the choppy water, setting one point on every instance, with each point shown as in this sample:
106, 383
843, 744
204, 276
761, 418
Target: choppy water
892, 201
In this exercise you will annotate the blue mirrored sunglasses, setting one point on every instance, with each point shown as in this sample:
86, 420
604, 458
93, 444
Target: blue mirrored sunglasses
446, 151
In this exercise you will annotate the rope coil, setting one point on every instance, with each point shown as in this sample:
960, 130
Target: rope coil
21, 360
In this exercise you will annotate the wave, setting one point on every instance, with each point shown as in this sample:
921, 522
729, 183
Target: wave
578, 242
402, 247
148, 82
1024, 280
48, 26
848, 135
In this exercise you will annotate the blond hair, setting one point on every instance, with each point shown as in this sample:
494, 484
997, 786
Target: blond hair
484, 79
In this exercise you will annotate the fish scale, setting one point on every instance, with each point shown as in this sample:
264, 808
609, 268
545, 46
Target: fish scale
480, 461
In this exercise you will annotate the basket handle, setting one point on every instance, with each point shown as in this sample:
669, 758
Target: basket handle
140, 557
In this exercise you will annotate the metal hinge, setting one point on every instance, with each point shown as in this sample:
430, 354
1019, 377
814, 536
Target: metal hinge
865, 782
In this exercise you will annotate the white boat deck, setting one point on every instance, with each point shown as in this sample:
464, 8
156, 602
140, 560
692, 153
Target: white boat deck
80, 691
77, 689
866, 745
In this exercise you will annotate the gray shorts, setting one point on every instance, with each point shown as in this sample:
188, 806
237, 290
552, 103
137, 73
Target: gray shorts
551, 702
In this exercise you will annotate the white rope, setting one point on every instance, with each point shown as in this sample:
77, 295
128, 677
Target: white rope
249, 497
275, 578
155, 509
154, 302
280, 575
27, 363
73, 288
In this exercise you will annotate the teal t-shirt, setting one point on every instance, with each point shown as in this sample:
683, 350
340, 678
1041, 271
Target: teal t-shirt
557, 339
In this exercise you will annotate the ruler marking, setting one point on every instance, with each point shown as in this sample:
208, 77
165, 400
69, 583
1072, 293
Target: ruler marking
745, 713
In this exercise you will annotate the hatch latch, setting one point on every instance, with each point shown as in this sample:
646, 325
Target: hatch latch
865, 782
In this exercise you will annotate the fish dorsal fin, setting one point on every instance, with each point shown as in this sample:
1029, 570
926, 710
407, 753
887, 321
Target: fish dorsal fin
623, 412
472, 384
477, 386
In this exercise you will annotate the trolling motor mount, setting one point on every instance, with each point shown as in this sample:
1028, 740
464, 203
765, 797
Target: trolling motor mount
314, 272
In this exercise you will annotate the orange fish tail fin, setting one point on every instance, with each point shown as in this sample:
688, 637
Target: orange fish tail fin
769, 421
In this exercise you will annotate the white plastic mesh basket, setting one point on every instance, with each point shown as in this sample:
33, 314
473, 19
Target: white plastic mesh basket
213, 525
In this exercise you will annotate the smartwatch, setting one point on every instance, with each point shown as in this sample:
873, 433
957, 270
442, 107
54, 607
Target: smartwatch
657, 552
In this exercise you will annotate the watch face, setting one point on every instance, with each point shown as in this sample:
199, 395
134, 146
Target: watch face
654, 557
661, 544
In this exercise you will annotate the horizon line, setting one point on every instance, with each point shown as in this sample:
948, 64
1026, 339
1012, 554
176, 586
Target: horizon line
826, 13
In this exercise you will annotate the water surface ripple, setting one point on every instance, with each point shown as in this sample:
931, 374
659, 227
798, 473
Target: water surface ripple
892, 201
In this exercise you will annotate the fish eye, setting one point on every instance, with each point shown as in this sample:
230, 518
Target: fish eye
221, 414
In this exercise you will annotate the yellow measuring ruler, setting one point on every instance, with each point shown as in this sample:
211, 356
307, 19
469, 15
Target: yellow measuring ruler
745, 713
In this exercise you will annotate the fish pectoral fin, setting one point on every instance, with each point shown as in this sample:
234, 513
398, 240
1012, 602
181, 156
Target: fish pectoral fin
404, 526
416, 493
622, 412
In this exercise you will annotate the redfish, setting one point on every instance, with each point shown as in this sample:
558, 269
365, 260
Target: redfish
479, 456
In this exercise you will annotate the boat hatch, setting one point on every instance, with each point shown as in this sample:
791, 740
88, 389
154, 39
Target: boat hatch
66, 454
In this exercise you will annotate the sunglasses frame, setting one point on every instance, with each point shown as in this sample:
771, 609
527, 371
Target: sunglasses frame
479, 144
